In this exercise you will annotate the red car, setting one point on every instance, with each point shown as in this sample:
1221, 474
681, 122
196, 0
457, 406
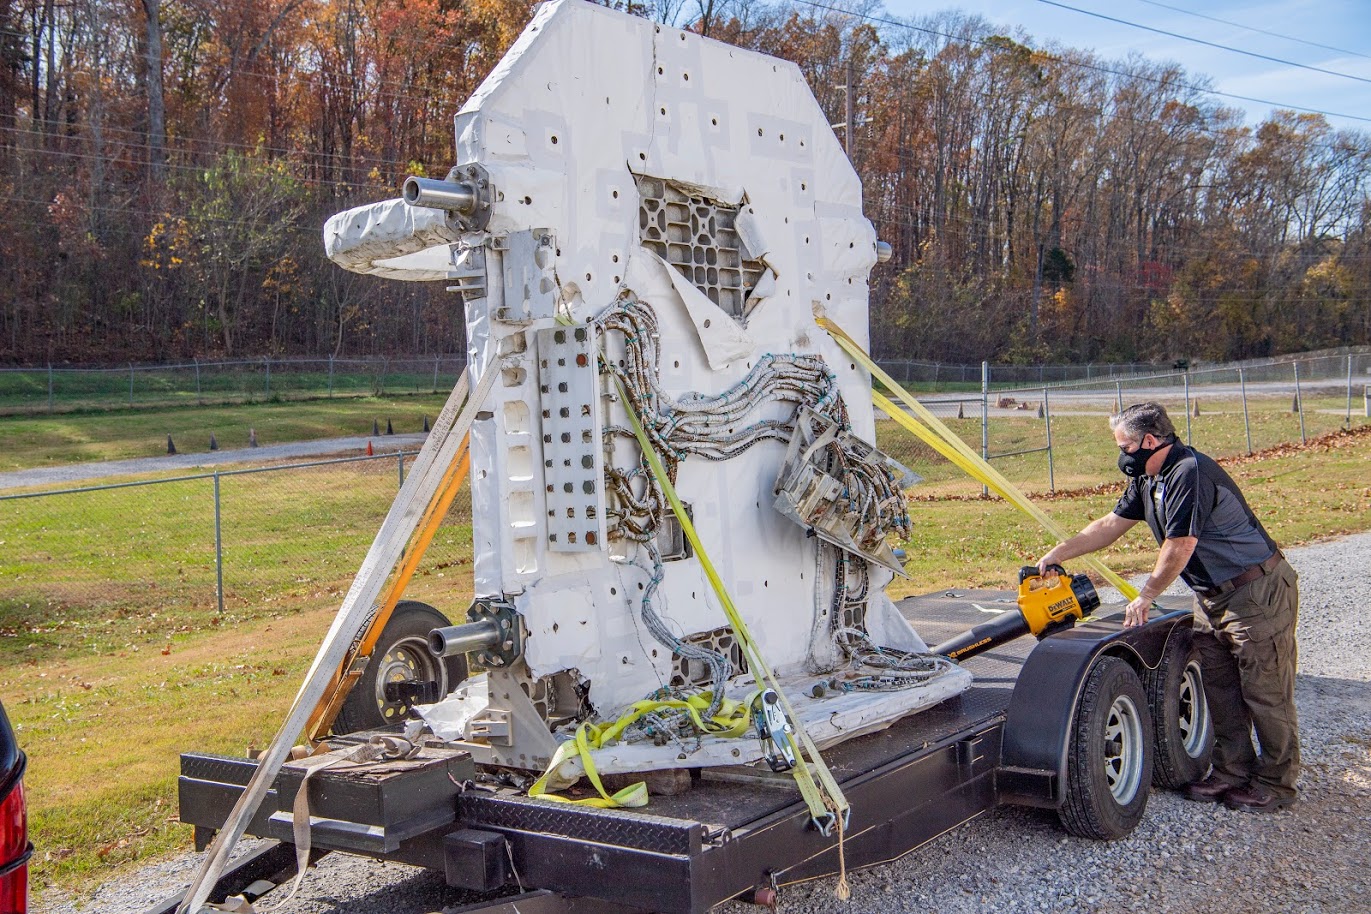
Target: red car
15, 848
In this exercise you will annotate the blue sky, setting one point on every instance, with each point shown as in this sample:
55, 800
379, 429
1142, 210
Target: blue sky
1344, 24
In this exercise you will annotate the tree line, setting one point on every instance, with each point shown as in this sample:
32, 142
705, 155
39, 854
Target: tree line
166, 167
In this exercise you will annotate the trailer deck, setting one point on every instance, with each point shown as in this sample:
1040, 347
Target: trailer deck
735, 830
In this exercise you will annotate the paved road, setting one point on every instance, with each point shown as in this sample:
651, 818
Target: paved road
108, 469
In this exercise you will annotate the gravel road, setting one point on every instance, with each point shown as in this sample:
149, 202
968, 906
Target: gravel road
1185, 857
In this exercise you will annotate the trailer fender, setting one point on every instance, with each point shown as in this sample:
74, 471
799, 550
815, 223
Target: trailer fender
1038, 724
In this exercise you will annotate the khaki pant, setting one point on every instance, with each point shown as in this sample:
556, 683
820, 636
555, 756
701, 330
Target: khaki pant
1246, 640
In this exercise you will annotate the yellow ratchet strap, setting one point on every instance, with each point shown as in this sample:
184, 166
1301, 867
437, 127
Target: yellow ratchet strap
825, 799
945, 441
732, 719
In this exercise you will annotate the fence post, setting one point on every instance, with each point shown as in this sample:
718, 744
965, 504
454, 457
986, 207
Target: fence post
1299, 403
435, 374
1047, 416
1189, 441
267, 362
1246, 423
1347, 421
985, 417
198, 398
218, 547
330, 374
401, 456
130, 383
50, 386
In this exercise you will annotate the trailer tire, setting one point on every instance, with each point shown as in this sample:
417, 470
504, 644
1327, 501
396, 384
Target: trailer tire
401, 653
1180, 716
1109, 761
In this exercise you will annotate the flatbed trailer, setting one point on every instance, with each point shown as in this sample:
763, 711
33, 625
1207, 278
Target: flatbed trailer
1019, 735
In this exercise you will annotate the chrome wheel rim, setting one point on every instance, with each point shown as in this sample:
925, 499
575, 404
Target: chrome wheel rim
408, 658
1193, 711
1123, 750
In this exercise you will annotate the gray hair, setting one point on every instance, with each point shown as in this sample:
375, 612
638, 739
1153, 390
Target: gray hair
1143, 419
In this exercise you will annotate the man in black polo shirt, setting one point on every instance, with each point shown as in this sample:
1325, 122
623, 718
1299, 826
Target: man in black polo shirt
1246, 602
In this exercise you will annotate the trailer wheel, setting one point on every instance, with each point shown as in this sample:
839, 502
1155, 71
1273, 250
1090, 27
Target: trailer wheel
1109, 765
1184, 732
401, 654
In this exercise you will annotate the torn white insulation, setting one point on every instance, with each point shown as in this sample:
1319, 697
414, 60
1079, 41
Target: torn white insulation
393, 240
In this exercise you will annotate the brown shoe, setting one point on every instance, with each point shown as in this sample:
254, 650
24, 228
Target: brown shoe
1255, 798
1211, 790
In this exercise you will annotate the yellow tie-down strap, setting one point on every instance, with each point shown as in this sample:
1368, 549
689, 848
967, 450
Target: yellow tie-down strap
824, 797
945, 441
732, 719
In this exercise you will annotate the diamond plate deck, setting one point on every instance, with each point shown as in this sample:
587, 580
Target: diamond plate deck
618, 827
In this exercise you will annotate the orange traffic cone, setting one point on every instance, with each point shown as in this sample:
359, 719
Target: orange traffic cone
370, 452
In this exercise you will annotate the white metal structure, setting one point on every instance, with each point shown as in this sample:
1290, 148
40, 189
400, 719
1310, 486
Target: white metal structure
636, 202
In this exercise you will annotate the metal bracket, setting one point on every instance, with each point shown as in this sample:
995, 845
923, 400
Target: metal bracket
492, 725
475, 175
511, 643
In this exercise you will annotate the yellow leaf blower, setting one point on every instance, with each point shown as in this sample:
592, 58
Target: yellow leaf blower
1047, 604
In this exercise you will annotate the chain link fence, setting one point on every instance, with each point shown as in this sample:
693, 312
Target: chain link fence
106, 565
52, 389
119, 561
1054, 437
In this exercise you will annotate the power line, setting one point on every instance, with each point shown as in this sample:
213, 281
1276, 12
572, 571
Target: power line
1252, 28
1209, 44
880, 20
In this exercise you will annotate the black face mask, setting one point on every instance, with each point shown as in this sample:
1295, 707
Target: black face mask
1135, 464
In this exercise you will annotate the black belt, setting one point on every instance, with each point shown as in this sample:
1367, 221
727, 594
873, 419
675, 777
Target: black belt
1246, 577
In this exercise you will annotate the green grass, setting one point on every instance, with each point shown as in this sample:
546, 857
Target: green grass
1083, 452
28, 391
36, 441
114, 659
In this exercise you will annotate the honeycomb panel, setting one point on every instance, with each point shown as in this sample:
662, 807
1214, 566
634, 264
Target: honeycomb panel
697, 673
696, 235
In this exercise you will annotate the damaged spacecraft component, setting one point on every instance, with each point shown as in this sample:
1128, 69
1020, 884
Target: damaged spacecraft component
668, 218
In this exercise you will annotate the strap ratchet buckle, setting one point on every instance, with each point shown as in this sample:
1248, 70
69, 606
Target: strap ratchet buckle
774, 730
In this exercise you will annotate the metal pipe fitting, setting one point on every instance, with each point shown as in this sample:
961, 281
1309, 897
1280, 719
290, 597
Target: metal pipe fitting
463, 639
883, 249
454, 196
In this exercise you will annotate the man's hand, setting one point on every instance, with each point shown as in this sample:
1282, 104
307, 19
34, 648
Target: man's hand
1135, 613
1096, 535
1049, 559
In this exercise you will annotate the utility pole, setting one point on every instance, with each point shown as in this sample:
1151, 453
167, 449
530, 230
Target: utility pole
847, 124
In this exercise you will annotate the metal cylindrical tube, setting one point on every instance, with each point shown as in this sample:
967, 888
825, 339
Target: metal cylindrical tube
449, 195
463, 639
